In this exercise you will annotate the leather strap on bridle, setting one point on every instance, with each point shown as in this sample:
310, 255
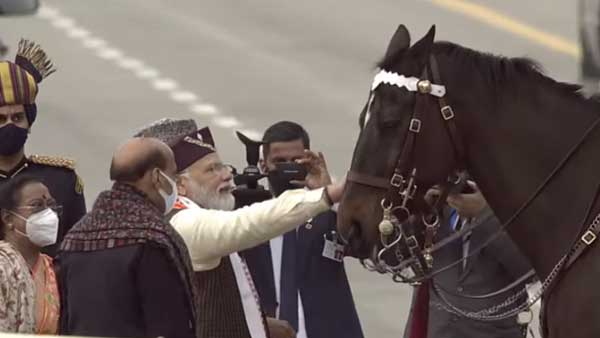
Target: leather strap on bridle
525, 205
448, 115
414, 128
399, 192
373, 181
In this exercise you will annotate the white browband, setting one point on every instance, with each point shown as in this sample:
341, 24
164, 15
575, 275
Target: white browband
400, 80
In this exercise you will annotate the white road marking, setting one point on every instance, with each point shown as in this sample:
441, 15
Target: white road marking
110, 54
164, 84
46, 12
226, 122
63, 22
130, 64
78, 33
139, 68
147, 73
94, 43
183, 96
204, 109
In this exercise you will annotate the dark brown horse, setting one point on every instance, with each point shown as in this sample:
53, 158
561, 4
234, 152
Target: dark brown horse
530, 142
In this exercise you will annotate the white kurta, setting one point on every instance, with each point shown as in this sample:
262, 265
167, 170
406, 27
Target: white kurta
213, 234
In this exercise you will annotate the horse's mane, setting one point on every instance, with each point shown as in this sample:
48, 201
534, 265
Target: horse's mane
495, 69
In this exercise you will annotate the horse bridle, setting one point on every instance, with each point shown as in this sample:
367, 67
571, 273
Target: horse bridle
401, 188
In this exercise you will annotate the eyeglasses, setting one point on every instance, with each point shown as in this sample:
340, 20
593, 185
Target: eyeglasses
36, 207
14, 118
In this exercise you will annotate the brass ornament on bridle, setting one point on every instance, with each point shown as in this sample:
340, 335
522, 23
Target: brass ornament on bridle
424, 86
398, 238
386, 227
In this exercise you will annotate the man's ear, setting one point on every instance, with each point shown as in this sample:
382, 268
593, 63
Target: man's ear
181, 190
5, 216
155, 178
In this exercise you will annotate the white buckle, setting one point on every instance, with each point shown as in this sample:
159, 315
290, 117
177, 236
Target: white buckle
589, 237
415, 125
447, 113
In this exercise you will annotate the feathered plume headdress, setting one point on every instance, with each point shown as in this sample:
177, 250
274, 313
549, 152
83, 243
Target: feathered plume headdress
19, 80
33, 58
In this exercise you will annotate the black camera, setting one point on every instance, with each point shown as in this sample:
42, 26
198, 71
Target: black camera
291, 171
250, 176
247, 189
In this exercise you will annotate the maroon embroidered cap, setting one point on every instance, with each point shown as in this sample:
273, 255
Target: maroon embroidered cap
193, 147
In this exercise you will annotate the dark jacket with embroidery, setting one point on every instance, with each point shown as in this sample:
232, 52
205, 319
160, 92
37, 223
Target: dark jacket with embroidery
123, 271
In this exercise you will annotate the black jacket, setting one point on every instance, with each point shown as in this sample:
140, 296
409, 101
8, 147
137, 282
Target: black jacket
130, 291
496, 266
329, 308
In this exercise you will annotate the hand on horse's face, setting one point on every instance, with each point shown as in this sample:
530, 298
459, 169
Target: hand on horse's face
468, 205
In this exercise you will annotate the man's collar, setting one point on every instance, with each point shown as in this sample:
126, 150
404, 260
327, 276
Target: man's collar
185, 203
24, 163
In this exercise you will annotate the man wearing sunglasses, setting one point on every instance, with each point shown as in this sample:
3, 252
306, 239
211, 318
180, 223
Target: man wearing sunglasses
18, 90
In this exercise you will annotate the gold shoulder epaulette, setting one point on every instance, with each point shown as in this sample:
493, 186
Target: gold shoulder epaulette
54, 161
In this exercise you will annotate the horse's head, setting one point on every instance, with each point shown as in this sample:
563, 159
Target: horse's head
403, 148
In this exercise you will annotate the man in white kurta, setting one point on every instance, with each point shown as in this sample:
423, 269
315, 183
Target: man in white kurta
213, 232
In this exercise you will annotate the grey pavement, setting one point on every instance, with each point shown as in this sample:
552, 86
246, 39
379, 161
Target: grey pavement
257, 61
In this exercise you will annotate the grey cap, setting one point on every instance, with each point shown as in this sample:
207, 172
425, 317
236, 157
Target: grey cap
168, 130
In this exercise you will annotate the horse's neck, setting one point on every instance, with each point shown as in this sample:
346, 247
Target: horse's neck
516, 147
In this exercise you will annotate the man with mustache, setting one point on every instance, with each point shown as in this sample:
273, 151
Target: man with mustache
229, 305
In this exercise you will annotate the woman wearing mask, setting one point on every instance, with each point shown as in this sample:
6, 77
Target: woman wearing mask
29, 217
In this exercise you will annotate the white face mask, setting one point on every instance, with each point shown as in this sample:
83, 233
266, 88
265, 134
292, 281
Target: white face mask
41, 227
170, 199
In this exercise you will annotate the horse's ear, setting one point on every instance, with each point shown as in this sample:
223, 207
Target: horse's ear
400, 41
423, 46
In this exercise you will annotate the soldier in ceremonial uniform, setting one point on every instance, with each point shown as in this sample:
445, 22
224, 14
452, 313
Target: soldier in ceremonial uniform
18, 89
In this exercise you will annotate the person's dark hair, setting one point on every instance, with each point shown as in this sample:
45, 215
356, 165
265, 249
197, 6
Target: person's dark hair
284, 131
10, 195
134, 171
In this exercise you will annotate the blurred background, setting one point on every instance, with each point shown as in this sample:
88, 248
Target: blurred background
243, 65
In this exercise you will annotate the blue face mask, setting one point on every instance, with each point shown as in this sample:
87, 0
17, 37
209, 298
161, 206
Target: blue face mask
170, 199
